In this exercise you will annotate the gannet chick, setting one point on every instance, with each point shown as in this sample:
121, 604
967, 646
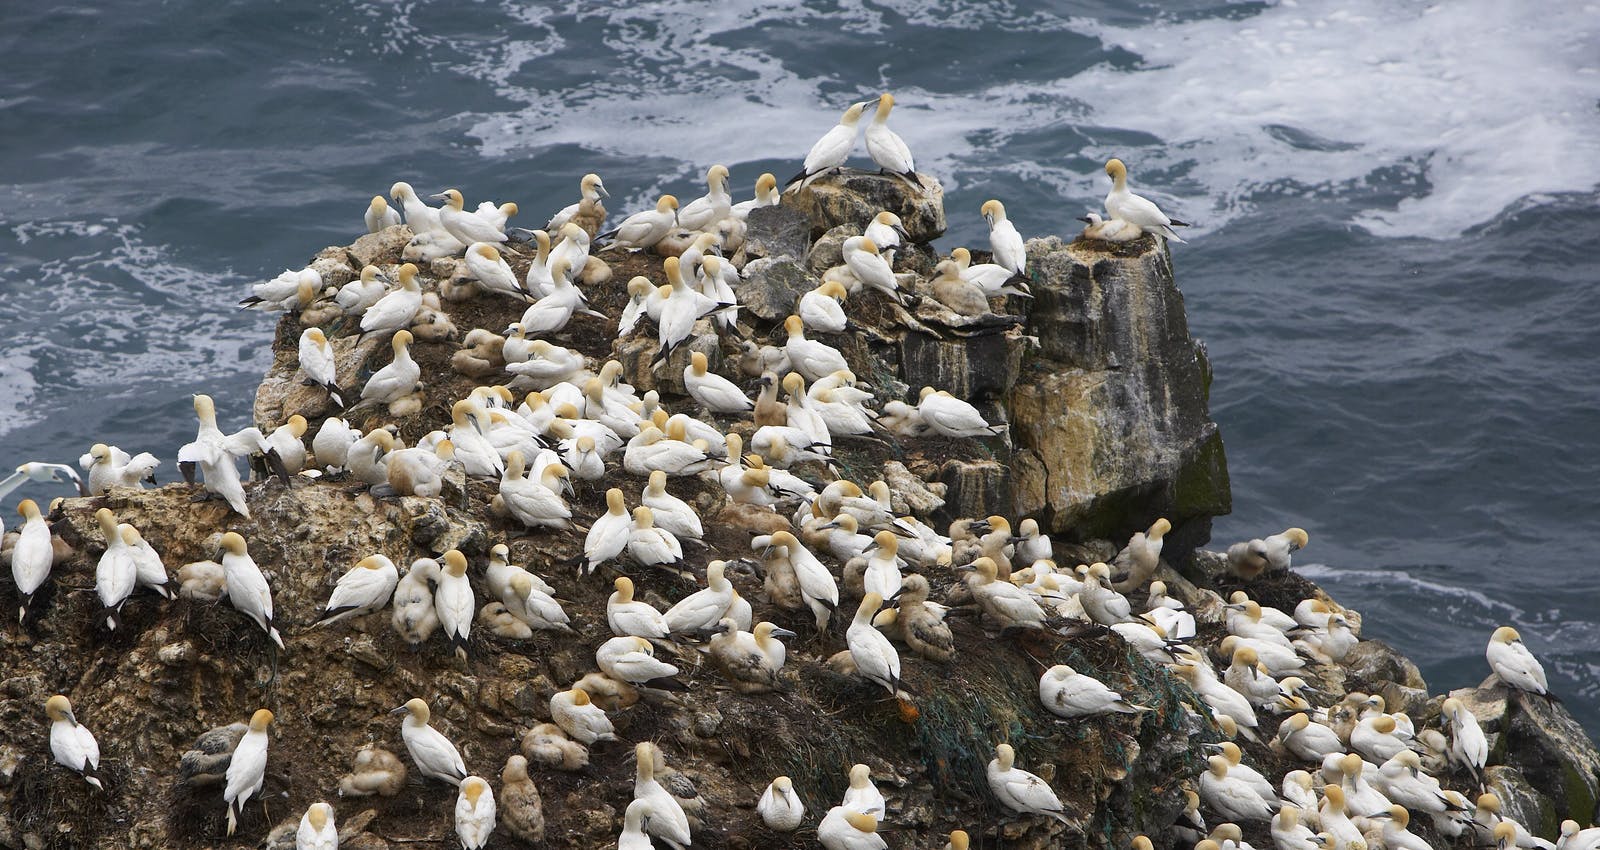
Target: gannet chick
202, 581
316, 363
246, 587
475, 813
875, 657
317, 828
861, 795
1141, 556
453, 601
1231, 797
414, 615
521, 810
396, 310
1510, 659
71, 744
949, 416
31, 556
363, 589
373, 771
548, 745
712, 391
1136, 210
700, 611
580, 718
588, 213
885, 146
1021, 791
432, 753
109, 466
1068, 693
780, 807
1113, 230
643, 230
831, 150
1004, 240
922, 624
1468, 745
862, 257
247, 770
379, 215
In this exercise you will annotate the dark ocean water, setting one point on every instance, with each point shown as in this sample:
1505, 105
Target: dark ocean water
1393, 265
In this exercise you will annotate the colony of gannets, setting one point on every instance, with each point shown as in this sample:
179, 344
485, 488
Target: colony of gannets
829, 541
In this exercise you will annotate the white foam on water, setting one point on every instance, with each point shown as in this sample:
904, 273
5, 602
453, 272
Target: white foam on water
1478, 104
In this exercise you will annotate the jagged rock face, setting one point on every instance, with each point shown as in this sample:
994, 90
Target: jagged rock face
1552, 760
776, 231
855, 197
1111, 417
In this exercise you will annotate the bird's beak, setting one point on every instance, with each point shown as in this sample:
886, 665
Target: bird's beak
896, 594
783, 633
989, 217
601, 188
1381, 815
1085, 219
401, 710
440, 197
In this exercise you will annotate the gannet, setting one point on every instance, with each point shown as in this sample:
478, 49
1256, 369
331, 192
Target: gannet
466, 227
1021, 791
886, 232
633, 836
1490, 824
478, 456
1374, 738
247, 770
1141, 556
31, 556
1510, 659
1401, 779
1169, 613
650, 545
712, 207
379, 216
414, 615
1007, 605
643, 230
1246, 675
1004, 240
714, 392
811, 359
821, 309
580, 718
817, 588
681, 309
1237, 769
356, 296
475, 813
1468, 745
453, 601
1112, 230
535, 504
573, 247
1297, 791
72, 744
700, 611
215, 454
608, 535
587, 211
842, 829
885, 146
432, 753
1231, 797
831, 150
317, 828
1136, 210
668, 821
1574, 838
668, 512
287, 442
949, 416
958, 295
1221, 699
861, 795
1102, 604
1068, 693
1289, 834
766, 196
332, 443
316, 362
780, 807
875, 657
399, 378
628, 616
149, 570
246, 587
882, 575
109, 466
420, 470
485, 264
363, 589
396, 310
632, 660
1307, 740
862, 257
1250, 558
1333, 818
290, 290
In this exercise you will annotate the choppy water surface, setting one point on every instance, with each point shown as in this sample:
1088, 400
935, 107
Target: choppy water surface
1393, 264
